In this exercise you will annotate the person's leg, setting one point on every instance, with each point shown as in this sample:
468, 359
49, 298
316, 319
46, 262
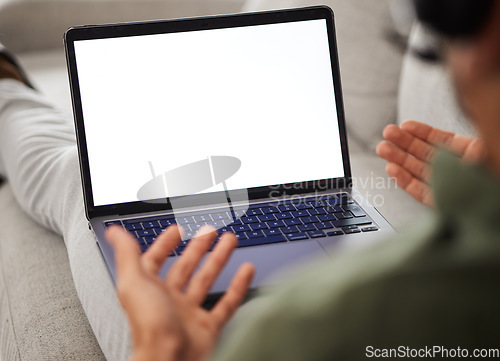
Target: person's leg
38, 156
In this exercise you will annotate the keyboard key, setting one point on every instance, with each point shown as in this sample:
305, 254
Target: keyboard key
141, 241
238, 213
254, 212
225, 229
353, 230
334, 209
316, 234
334, 233
287, 208
241, 236
110, 223
242, 228
337, 202
355, 210
317, 211
275, 224
196, 226
185, 220
297, 236
311, 219
217, 224
251, 219
343, 215
167, 222
150, 224
352, 221
235, 222
318, 203
146, 232
307, 227
203, 218
256, 226
284, 215
272, 231
293, 221
303, 213
267, 217
326, 217
303, 206
268, 210
158, 231
260, 241
150, 239
323, 225
133, 226
255, 234
222, 215
369, 229
287, 230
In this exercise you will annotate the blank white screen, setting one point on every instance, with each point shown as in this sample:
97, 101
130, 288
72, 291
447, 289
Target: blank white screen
263, 94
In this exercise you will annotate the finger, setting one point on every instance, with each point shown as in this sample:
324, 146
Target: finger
415, 146
127, 253
163, 246
184, 267
234, 295
475, 152
414, 187
203, 280
393, 154
456, 143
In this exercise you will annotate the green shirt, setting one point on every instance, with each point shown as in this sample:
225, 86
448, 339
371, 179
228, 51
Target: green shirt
438, 285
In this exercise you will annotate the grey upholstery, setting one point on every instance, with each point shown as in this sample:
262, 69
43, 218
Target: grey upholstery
41, 316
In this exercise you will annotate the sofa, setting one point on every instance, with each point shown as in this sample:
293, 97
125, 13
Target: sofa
40, 312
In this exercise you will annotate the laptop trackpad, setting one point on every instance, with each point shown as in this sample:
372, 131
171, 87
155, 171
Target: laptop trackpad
268, 260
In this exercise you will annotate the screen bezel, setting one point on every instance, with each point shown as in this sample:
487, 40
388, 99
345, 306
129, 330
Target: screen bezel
194, 24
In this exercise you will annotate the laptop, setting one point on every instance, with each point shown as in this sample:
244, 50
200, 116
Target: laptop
236, 121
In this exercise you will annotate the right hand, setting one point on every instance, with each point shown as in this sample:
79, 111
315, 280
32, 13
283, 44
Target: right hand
166, 316
410, 149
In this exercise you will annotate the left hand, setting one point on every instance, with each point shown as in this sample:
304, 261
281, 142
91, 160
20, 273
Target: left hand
166, 317
410, 150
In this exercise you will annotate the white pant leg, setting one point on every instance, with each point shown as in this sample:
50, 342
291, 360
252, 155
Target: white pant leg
38, 156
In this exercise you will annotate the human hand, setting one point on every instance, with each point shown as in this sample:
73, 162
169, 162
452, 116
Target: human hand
165, 316
409, 149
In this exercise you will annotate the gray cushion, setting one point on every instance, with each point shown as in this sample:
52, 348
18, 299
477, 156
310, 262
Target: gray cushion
40, 313
369, 64
426, 92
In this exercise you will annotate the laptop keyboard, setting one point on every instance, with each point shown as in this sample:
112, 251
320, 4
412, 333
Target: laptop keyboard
292, 220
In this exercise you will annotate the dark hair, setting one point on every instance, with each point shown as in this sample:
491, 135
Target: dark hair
455, 18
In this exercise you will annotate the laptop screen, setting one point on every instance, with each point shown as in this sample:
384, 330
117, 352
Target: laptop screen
263, 95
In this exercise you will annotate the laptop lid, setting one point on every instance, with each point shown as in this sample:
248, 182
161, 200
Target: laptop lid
235, 102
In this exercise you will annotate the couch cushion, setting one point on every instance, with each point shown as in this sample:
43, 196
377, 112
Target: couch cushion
27, 25
426, 92
40, 313
369, 64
